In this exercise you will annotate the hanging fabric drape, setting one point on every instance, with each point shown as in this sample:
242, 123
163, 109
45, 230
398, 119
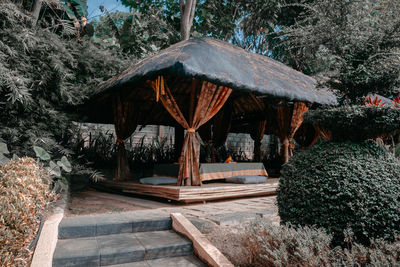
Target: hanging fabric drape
215, 132
324, 133
284, 122
306, 135
209, 101
125, 123
257, 133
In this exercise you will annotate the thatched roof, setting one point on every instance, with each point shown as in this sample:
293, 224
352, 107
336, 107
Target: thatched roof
223, 64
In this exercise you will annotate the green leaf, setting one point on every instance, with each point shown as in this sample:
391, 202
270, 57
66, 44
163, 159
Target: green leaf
65, 164
3, 159
41, 153
3, 148
54, 169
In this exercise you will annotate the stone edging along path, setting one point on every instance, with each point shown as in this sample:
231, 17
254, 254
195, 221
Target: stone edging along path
202, 247
46, 244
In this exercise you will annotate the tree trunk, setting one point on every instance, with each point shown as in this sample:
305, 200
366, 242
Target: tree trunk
187, 14
37, 6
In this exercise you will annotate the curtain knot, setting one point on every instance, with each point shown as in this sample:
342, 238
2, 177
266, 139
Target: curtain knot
191, 130
119, 141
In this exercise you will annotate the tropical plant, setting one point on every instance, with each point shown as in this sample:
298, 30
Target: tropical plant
356, 123
368, 101
44, 75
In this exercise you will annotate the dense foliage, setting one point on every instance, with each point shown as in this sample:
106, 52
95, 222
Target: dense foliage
24, 195
343, 185
216, 18
352, 45
139, 34
44, 74
286, 245
356, 123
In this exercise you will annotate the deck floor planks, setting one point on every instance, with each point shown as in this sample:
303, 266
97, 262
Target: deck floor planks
210, 191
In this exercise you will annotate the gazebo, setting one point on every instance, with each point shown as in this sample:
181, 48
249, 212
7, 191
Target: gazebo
203, 82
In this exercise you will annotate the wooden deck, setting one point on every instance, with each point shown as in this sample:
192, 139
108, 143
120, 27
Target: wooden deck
186, 194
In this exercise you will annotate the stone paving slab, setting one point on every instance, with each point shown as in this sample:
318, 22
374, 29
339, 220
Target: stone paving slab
107, 224
161, 244
237, 217
77, 252
121, 248
185, 261
115, 249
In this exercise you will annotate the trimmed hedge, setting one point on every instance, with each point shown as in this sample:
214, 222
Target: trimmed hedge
356, 123
343, 185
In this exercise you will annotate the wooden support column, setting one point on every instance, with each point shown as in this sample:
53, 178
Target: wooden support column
285, 150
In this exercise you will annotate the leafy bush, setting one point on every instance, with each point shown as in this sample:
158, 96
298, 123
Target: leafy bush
343, 185
356, 123
268, 245
24, 194
44, 74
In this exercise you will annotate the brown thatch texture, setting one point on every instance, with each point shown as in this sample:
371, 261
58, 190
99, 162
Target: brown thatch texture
223, 64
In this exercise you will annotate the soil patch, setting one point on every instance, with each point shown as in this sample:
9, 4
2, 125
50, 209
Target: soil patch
88, 202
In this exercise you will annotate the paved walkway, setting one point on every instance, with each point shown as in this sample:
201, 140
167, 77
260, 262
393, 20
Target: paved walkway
225, 212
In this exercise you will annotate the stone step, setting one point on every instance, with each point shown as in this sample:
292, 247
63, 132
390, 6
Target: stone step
107, 224
184, 261
121, 248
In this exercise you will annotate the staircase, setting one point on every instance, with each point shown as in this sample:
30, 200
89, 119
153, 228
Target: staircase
122, 240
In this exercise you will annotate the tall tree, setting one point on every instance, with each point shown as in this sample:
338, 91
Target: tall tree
187, 8
215, 18
37, 6
354, 46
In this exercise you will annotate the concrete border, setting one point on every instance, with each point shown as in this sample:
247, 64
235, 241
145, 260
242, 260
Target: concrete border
44, 250
202, 247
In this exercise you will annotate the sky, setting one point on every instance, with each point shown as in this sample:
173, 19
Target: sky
110, 5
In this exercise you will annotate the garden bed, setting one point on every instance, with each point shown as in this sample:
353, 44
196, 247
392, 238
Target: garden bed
260, 243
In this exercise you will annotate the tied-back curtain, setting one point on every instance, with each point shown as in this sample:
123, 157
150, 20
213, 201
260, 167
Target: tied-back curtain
210, 100
257, 134
287, 119
125, 123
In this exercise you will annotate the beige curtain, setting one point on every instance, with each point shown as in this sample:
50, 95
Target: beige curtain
209, 101
257, 133
125, 123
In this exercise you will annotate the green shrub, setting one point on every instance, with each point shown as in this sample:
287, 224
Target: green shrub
343, 185
268, 245
356, 123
